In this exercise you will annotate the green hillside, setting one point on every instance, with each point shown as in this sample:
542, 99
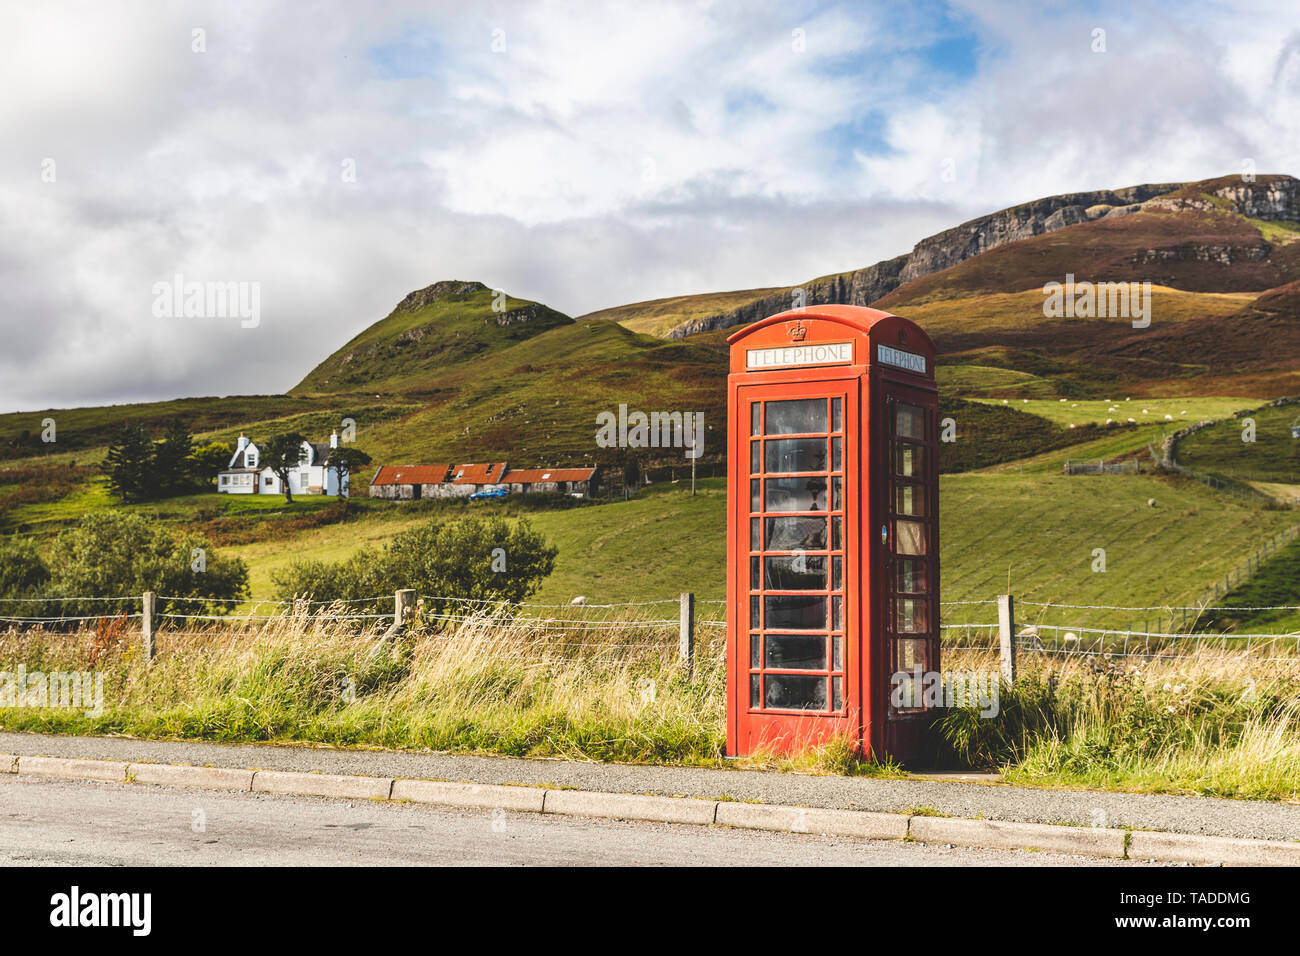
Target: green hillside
80, 429
660, 316
1274, 455
445, 324
539, 401
1032, 533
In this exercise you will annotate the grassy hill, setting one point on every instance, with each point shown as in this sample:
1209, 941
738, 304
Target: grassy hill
82, 429
660, 316
1274, 456
539, 401
442, 325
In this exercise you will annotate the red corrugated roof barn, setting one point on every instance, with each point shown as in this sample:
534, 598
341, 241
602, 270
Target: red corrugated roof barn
410, 475
477, 474
533, 476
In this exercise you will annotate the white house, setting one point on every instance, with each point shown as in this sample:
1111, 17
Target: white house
245, 475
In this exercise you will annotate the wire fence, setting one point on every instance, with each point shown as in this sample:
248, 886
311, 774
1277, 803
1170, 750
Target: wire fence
662, 624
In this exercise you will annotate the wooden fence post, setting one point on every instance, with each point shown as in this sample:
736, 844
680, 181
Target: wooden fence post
686, 633
1007, 637
403, 608
148, 604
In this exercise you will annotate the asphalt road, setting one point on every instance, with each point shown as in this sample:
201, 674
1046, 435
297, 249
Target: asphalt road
47, 822
1235, 818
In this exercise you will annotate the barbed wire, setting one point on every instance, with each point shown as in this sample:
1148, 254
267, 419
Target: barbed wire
1171, 635
266, 617
201, 599
30, 600
196, 598
1202, 608
71, 617
464, 600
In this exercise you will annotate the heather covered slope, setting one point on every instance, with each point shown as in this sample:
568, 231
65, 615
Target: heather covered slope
1231, 237
661, 316
1191, 239
442, 325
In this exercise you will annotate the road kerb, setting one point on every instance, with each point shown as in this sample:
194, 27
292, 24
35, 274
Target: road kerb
625, 806
322, 784
489, 796
1197, 848
1005, 835
207, 778
864, 824
73, 768
1158, 846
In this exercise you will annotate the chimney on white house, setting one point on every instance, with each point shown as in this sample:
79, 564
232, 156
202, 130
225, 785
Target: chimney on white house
243, 442
334, 439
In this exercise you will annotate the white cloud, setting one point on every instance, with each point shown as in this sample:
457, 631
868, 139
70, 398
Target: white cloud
527, 169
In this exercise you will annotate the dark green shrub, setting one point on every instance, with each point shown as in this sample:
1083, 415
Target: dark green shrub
472, 557
111, 554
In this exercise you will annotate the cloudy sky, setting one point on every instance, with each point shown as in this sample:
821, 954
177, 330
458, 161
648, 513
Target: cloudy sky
340, 155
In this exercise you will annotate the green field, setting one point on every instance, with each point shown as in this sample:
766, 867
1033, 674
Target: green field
1274, 456
1172, 412
1031, 534
1034, 536
976, 380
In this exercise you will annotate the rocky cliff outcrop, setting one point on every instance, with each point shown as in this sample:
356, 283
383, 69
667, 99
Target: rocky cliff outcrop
432, 293
1269, 197
527, 313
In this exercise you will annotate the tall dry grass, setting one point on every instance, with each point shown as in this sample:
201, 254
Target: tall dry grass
614, 691
1209, 723
1213, 723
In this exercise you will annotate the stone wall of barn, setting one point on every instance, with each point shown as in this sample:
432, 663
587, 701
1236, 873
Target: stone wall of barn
447, 490
393, 492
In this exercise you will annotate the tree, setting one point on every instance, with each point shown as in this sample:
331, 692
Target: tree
129, 464
206, 461
171, 459
22, 572
115, 553
345, 461
483, 559
282, 454
631, 473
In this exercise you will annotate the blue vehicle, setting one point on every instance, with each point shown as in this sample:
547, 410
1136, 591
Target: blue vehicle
490, 493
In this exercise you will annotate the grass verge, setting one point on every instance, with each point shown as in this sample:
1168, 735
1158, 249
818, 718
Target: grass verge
616, 692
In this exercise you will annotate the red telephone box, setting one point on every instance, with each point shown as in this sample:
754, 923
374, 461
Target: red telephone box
832, 532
